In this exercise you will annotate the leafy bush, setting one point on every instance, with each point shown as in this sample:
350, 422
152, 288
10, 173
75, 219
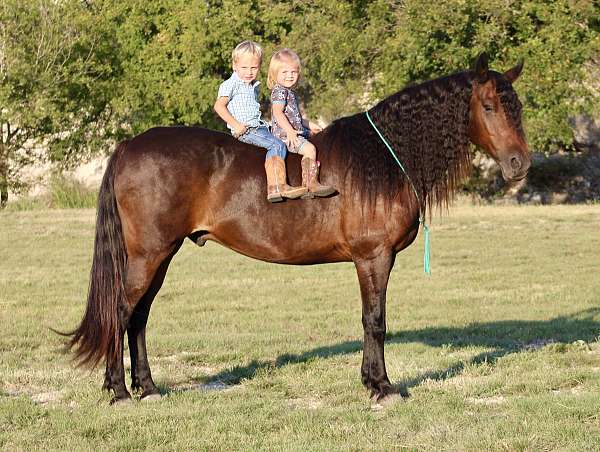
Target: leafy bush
63, 192
68, 193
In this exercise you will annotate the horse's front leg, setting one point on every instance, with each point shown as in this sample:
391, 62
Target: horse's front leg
373, 274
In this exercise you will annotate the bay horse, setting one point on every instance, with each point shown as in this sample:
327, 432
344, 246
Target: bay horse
172, 183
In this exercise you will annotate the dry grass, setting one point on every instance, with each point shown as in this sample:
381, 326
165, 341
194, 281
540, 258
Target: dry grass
497, 350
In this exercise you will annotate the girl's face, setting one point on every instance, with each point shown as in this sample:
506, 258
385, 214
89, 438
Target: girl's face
288, 74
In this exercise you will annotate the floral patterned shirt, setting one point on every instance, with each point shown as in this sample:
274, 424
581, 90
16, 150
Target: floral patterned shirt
287, 97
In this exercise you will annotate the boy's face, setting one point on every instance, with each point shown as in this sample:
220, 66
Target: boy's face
246, 67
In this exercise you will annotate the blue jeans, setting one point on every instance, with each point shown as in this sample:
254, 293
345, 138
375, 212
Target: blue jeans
261, 137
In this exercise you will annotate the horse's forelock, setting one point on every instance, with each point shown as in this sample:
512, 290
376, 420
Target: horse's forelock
510, 101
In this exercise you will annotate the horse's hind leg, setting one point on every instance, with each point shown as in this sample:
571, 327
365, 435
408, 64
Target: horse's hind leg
112, 377
141, 269
141, 377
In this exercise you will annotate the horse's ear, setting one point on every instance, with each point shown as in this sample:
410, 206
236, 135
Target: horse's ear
481, 68
513, 74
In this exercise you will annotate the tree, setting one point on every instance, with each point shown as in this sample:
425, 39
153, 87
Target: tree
557, 39
56, 73
339, 43
175, 54
75, 75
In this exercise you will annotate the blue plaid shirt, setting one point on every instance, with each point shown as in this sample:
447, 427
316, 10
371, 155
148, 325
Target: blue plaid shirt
243, 101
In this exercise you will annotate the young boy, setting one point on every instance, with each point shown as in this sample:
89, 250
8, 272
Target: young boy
237, 104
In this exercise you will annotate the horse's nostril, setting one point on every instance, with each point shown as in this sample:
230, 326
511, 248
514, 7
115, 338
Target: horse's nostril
515, 163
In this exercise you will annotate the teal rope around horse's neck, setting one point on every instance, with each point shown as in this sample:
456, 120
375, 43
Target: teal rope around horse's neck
426, 266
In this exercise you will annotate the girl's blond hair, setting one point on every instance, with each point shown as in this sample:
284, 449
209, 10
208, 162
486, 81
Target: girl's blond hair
277, 60
246, 47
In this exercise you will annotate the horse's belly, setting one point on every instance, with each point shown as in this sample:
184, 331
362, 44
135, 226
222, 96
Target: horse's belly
299, 251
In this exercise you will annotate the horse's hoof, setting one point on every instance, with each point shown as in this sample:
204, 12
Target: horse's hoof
150, 397
381, 403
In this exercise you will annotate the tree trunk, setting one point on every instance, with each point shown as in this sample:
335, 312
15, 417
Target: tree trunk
3, 177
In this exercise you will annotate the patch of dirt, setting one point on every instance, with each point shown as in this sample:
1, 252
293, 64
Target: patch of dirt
537, 344
188, 359
212, 386
44, 398
310, 403
496, 400
575, 390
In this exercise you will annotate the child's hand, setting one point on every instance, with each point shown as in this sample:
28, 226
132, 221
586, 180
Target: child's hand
314, 128
239, 129
292, 138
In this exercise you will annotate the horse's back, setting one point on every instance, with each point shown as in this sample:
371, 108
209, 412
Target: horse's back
167, 176
175, 156
185, 144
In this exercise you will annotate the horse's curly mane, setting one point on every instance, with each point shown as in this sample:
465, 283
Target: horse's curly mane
427, 127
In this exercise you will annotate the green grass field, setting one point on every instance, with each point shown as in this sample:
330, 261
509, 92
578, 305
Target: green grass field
498, 349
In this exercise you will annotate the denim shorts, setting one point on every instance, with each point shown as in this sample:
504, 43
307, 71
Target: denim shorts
301, 142
261, 137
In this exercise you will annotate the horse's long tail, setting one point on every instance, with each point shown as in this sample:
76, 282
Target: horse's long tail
99, 335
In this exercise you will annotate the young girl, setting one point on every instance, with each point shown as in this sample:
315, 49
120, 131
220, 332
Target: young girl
287, 122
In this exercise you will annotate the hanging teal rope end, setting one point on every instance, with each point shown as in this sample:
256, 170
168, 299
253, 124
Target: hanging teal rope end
422, 211
426, 266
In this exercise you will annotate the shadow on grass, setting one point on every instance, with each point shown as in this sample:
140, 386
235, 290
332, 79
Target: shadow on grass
501, 337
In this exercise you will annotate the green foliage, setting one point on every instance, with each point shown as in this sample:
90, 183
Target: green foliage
27, 203
175, 54
64, 192
57, 69
75, 76
68, 193
335, 40
558, 41
354, 53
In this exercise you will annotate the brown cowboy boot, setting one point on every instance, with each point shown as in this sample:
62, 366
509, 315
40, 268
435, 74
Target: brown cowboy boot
277, 189
310, 180
287, 191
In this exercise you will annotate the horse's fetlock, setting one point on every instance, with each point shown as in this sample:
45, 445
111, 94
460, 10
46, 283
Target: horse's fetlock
375, 331
373, 322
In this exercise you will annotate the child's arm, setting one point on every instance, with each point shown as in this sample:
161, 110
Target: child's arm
221, 108
279, 115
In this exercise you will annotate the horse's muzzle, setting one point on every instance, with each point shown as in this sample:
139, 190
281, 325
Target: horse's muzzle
515, 167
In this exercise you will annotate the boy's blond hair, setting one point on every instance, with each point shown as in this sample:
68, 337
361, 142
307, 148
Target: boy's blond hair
245, 47
277, 60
